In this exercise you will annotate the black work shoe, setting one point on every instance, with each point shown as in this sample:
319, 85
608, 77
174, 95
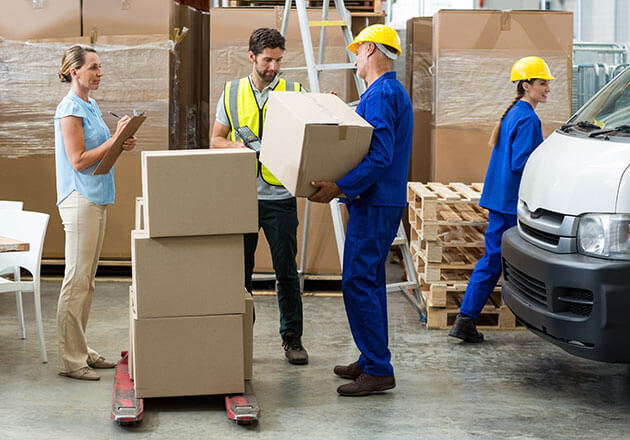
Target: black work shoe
366, 384
351, 371
294, 350
465, 329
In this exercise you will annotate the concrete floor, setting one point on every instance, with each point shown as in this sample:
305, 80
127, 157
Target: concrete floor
514, 386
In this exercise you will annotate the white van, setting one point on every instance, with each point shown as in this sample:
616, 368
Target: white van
566, 265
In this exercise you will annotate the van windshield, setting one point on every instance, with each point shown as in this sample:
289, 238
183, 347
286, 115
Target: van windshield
608, 110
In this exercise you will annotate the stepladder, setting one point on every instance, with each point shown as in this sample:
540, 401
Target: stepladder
410, 287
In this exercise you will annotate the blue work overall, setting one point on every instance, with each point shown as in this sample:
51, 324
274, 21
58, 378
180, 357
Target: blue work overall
520, 134
376, 193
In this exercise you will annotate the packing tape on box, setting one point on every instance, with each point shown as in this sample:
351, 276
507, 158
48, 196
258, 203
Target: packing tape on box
135, 77
473, 88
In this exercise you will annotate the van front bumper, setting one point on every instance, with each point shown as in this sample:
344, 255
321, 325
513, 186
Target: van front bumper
580, 303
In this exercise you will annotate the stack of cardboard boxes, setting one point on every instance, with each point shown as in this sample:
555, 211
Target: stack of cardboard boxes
190, 317
458, 77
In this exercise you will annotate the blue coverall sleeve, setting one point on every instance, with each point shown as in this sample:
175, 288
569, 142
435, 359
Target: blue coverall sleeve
379, 113
524, 142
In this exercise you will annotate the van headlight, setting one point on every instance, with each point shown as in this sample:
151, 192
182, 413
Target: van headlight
604, 236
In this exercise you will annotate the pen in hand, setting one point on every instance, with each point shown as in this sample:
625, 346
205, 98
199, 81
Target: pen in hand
114, 115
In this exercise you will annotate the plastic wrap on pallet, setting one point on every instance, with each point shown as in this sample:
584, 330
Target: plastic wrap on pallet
189, 64
422, 93
472, 88
135, 77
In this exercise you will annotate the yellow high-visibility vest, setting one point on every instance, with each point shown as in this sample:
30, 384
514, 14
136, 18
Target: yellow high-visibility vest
242, 110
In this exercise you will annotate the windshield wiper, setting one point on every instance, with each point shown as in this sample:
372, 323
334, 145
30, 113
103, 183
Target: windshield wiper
585, 125
622, 129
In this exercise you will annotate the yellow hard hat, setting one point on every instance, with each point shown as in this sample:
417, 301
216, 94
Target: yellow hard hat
377, 33
530, 68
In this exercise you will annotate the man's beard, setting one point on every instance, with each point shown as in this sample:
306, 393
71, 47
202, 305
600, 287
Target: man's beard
266, 75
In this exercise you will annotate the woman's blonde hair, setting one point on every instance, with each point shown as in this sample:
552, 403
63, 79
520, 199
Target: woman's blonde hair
520, 92
73, 58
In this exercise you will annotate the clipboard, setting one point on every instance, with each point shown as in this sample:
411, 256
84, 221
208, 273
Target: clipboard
107, 162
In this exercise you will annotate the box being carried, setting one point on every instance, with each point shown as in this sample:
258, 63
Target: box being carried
312, 137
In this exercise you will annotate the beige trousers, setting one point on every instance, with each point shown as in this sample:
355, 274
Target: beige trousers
84, 224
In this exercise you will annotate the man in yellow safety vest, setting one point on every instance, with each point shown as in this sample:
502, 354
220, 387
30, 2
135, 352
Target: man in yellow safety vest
243, 104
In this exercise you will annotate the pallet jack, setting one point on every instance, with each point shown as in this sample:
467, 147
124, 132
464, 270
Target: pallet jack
127, 409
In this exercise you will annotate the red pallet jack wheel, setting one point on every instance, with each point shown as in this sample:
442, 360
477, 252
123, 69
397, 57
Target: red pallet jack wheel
126, 408
243, 408
129, 410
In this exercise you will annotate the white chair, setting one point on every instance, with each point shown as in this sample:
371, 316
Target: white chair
29, 227
15, 271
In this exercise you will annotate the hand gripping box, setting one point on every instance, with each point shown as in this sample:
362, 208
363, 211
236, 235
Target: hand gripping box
199, 192
310, 137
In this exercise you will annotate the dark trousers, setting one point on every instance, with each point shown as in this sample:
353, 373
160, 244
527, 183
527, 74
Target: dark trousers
278, 220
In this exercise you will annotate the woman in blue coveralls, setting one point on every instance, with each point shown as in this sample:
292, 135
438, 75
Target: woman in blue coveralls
514, 138
81, 140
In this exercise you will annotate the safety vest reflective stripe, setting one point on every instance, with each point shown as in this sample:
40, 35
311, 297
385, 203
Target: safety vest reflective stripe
242, 110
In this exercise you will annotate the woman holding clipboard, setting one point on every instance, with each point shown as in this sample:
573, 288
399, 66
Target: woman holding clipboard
81, 140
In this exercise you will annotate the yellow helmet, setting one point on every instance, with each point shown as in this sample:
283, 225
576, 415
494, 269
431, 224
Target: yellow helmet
377, 33
530, 68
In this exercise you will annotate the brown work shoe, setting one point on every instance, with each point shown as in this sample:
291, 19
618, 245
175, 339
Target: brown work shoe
294, 350
101, 362
85, 373
366, 384
351, 371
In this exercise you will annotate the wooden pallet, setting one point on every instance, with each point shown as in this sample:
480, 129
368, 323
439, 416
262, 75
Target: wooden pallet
452, 296
491, 318
456, 264
451, 236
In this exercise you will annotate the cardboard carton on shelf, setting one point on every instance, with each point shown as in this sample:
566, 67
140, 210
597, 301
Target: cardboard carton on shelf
310, 137
27, 19
199, 192
121, 17
187, 276
187, 356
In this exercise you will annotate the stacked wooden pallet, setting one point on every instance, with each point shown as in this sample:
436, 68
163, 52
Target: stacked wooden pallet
447, 241
352, 5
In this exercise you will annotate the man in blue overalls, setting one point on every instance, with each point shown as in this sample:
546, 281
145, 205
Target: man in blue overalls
376, 194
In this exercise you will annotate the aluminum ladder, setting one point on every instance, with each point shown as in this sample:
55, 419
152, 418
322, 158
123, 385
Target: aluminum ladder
411, 287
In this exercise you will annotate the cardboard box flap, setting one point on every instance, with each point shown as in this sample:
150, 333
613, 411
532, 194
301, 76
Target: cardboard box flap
339, 109
304, 108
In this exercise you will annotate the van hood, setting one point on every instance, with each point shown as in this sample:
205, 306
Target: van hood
573, 175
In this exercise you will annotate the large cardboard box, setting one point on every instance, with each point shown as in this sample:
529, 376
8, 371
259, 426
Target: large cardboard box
310, 137
248, 336
27, 19
466, 86
187, 276
199, 192
419, 85
125, 17
188, 356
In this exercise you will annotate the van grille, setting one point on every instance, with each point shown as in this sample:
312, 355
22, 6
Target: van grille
545, 237
529, 287
576, 301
